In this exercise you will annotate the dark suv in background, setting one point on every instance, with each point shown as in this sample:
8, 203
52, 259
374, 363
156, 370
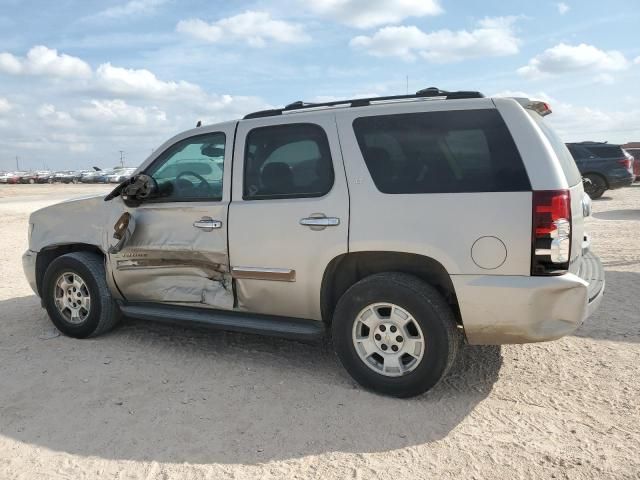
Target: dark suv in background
603, 166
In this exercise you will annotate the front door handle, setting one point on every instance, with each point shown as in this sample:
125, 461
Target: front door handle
321, 222
207, 224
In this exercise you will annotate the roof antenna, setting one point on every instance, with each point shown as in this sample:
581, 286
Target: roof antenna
199, 124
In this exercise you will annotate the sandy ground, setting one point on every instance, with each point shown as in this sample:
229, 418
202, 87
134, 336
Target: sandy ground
158, 402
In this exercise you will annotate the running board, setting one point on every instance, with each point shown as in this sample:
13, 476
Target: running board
271, 325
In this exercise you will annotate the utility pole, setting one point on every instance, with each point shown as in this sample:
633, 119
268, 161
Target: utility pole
17, 163
407, 84
122, 158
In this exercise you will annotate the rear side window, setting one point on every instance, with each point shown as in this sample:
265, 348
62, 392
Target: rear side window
565, 157
441, 152
287, 161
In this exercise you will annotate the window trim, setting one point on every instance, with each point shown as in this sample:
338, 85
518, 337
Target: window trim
287, 196
161, 158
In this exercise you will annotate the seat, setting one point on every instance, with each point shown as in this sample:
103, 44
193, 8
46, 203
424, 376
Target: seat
276, 178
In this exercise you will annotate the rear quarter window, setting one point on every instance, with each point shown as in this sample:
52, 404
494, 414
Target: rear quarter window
567, 161
441, 152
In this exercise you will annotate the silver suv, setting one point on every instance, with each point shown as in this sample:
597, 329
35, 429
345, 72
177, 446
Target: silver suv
403, 226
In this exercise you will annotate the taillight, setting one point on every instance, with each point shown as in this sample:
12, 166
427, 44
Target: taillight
627, 163
551, 232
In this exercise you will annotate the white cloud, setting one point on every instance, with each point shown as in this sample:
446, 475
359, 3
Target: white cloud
10, 64
636, 61
132, 7
562, 8
254, 28
605, 79
5, 106
564, 58
492, 37
55, 118
76, 125
121, 113
44, 61
124, 81
374, 13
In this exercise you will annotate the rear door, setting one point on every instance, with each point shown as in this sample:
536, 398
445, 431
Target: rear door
289, 215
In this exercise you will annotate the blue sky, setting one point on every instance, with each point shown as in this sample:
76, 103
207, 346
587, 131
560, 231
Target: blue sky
81, 80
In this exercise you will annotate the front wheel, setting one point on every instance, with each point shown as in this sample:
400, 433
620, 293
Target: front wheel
76, 295
395, 334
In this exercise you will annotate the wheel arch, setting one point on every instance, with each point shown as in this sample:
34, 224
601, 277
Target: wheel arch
604, 177
48, 254
345, 270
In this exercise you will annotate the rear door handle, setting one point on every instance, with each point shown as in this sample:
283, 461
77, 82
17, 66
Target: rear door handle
320, 222
207, 224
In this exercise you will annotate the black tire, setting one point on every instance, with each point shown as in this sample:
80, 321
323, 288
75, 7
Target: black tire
428, 308
595, 186
103, 312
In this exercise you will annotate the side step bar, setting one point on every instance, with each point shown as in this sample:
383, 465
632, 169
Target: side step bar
284, 327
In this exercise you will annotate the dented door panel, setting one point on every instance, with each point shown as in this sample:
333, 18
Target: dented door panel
168, 260
176, 252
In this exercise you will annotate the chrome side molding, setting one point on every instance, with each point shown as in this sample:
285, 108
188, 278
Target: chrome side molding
258, 273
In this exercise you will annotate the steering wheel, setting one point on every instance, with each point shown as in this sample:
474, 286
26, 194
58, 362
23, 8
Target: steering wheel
204, 185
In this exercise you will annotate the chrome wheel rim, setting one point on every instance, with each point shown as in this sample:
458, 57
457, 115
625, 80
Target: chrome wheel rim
72, 298
388, 339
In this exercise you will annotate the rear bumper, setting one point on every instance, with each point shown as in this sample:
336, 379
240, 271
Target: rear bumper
620, 182
517, 309
29, 267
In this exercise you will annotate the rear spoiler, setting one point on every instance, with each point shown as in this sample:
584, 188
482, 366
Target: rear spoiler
542, 108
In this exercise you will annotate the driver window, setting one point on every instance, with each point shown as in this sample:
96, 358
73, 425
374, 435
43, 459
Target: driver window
191, 170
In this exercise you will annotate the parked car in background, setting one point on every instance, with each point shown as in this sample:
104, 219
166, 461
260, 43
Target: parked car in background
43, 176
67, 176
120, 176
90, 176
12, 177
40, 176
4, 177
104, 175
29, 177
634, 149
604, 166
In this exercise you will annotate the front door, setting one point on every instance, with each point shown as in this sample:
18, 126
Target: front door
177, 252
289, 216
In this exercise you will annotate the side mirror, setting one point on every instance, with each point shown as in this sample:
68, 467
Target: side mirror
140, 186
134, 190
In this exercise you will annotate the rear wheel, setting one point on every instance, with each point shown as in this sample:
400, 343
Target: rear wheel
395, 334
594, 185
77, 297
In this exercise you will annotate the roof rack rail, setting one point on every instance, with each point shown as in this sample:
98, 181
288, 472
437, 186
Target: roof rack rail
431, 92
